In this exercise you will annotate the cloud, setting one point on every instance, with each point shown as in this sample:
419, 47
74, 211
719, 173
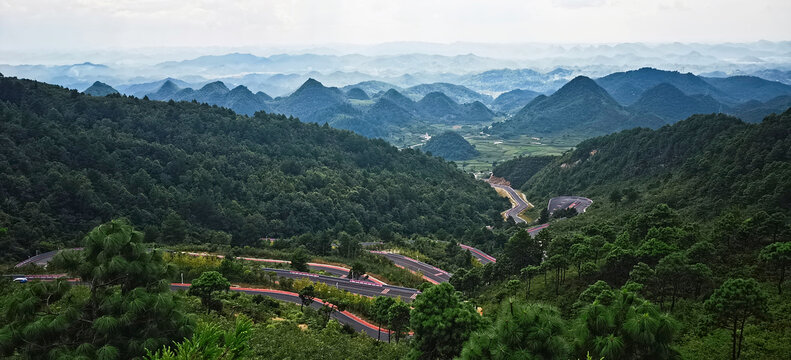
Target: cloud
44, 24
579, 3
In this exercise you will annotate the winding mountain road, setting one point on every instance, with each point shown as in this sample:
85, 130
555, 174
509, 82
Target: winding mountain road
430, 273
569, 202
359, 287
483, 257
336, 270
42, 259
343, 317
519, 203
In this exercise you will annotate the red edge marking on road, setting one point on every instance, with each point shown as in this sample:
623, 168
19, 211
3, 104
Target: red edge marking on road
415, 272
283, 292
481, 253
320, 265
429, 265
373, 279
536, 228
45, 276
266, 260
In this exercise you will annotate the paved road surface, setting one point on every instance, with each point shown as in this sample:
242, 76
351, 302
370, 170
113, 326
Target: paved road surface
432, 274
336, 270
564, 202
42, 259
360, 287
483, 257
520, 206
533, 231
344, 317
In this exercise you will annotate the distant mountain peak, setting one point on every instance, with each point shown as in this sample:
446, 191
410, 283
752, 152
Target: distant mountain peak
310, 83
100, 89
451, 146
392, 92
436, 96
215, 86
672, 104
582, 81
241, 89
663, 88
357, 93
168, 86
582, 85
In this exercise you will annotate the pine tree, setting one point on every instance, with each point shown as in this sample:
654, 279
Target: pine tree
206, 284
735, 302
432, 312
621, 325
521, 331
125, 308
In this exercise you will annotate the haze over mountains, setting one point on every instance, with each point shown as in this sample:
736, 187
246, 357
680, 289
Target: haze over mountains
482, 67
638, 98
401, 95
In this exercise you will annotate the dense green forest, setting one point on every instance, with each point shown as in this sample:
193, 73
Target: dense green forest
707, 163
683, 254
579, 107
191, 173
450, 146
519, 170
690, 229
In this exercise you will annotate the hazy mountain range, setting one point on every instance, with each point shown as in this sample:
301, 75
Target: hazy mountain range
645, 97
486, 68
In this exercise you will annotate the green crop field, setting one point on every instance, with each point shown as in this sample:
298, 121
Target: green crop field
494, 149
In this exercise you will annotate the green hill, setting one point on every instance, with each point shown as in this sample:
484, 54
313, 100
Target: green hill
669, 103
626, 87
745, 88
100, 89
514, 100
239, 99
402, 101
451, 146
165, 91
187, 172
439, 105
309, 100
704, 163
518, 170
579, 107
754, 111
357, 93
458, 93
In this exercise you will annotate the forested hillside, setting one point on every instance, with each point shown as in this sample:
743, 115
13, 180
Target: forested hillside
706, 162
186, 172
683, 253
579, 107
519, 170
451, 146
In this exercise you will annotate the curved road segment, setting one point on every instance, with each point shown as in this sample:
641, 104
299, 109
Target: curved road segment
430, 273
521, 204
569, 202
483, 257
360, 287
370, 287
42, 259
336, 270
343, 317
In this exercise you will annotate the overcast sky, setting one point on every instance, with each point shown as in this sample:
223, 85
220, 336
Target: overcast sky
95, 24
